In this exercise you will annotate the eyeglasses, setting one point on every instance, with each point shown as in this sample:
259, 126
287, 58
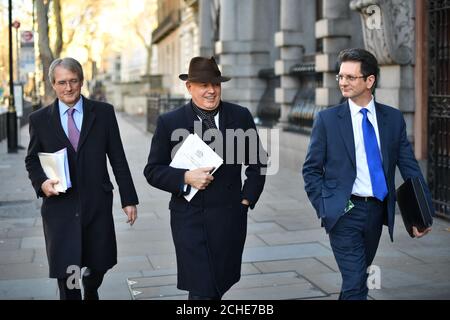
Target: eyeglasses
71, 82
339, 77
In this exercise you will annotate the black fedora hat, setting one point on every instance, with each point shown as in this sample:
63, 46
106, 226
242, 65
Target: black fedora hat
203, 70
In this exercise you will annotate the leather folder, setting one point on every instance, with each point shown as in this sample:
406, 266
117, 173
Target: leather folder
413, 204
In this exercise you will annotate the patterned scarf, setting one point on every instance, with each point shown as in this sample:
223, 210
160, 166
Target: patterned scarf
206, 115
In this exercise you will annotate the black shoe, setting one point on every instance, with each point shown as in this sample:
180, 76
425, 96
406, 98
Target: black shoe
91, 282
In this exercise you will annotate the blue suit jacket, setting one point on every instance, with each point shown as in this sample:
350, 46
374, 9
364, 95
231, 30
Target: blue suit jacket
329, 170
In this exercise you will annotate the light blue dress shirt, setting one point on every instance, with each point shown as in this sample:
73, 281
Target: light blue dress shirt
77, 115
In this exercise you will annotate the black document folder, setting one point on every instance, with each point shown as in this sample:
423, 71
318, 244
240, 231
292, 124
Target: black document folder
413, 205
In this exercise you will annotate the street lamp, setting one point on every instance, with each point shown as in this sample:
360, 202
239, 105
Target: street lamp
11, 115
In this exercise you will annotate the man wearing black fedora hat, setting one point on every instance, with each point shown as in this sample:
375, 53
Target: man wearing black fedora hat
209, 231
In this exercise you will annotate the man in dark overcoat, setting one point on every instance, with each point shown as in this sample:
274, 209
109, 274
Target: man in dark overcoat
78, 224
208, 231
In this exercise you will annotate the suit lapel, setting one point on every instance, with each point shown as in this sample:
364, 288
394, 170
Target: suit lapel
88, 121
226, 119
191, 117
382, 131
346, 128
55, 123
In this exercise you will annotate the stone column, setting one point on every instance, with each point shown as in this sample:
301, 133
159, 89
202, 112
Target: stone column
206, 27
289, 41
334, 30
388, 29
244, 48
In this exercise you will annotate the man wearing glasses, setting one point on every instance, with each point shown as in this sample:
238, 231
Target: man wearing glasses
349, 170
78, 224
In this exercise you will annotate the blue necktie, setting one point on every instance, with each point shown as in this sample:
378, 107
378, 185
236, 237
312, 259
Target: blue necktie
377, 178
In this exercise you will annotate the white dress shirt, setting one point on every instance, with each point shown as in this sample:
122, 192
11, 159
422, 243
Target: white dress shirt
362, 186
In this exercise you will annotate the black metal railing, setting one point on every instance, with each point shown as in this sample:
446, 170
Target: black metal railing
27, 109
157, 105
439, 105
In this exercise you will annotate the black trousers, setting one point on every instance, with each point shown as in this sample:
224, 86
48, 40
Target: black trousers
91, 279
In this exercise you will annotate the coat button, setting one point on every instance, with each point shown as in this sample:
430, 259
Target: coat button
77, 214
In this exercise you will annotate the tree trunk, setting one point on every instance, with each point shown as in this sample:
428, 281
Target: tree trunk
45, 52
59, 28
148, 65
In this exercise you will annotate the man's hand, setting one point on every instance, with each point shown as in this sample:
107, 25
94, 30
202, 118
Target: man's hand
131, 213
199, 178
48, 187
419, 234
245, 202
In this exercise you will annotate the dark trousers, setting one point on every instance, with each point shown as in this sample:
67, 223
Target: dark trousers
354, 240
91, 281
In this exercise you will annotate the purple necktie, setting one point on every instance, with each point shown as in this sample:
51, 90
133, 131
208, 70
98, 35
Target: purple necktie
73, 132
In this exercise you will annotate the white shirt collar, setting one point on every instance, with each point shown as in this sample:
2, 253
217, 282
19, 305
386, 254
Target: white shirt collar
355, 109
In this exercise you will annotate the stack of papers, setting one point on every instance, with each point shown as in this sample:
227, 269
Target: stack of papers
194, 153
56, 166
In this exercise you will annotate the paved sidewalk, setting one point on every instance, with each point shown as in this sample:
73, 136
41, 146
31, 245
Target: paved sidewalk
287, 255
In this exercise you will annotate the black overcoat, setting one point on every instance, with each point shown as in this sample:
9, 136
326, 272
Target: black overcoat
78, 225
209, 231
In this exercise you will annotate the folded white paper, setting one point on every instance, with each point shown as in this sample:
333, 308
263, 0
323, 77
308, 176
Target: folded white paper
56, 166
194, 153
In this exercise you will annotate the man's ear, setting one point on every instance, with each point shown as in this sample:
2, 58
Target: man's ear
188, 86
370, 81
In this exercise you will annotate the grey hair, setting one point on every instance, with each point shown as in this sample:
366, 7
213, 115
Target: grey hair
67, 63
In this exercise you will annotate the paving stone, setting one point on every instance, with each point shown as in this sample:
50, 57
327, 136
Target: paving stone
33, 242
16, 256
263, 227
268, 279
162, 261
286, 237
249, 268
301, 266
41, 289
285, 205
25, 232
157, 292
330, 282
132, 263
284, 252
23, 271
428, 291
252, 240
18, 223
283, 285
160, 272
154, 281
115, 286
8, 244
